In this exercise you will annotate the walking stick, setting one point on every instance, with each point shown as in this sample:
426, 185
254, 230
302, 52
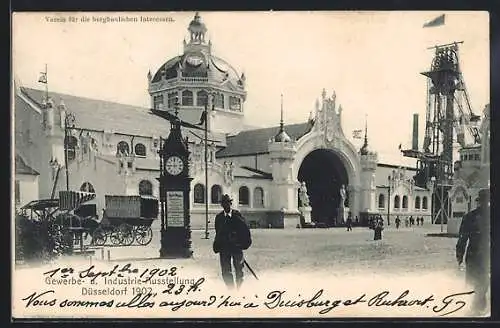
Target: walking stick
250, 269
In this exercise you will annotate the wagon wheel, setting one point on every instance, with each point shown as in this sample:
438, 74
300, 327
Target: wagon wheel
99, 237
115, 236
127, 234
143, 235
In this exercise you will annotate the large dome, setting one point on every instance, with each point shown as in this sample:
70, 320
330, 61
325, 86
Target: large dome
196, 65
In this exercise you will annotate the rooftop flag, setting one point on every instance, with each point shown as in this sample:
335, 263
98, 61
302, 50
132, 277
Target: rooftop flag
438, 21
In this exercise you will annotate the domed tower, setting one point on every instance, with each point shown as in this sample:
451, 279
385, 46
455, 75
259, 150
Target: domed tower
368, 167
282, 150
198, 78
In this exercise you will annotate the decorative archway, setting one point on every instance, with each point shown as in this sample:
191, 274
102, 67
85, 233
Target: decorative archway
341, 162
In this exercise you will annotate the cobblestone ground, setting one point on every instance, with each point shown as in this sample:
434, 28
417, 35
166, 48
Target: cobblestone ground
407, 250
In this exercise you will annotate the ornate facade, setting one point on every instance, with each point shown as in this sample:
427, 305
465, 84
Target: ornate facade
262, 169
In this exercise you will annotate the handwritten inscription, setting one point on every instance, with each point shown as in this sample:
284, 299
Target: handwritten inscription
65, 276
274, 300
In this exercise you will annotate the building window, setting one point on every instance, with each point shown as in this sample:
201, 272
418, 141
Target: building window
417, 202
172, 99
129, 165
145, 188
244, 196
424, 203
476, 157
202, 98
199, 193
405, 202
235, 103
87, 187
381, 201
396, 202
459, 199
140, 150
187, 98
122, 148
258, 197
219, 100
157, 101
216, 194
17, 192
71, 144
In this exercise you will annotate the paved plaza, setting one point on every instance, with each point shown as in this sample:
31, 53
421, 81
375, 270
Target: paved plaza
406, 250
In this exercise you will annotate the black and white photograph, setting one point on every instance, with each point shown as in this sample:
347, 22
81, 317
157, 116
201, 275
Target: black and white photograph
259, 164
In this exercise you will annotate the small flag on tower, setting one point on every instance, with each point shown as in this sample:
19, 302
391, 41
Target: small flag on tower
400, 146
356, 134
438, 21
43, 77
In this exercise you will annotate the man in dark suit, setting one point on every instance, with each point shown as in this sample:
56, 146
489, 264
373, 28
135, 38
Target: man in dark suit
232, 237
474, 242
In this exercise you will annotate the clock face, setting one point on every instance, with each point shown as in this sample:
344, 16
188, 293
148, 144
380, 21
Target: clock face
174, 165
194, 60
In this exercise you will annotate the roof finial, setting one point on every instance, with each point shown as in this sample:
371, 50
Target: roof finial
364, 149
281, 120
282, 136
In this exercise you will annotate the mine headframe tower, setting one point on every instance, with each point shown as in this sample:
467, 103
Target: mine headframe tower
448, 117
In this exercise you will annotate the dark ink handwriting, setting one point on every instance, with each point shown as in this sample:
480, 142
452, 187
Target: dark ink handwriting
381, 300
36, 299
449, 299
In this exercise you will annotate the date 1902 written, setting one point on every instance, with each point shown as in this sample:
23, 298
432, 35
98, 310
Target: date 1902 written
119, 271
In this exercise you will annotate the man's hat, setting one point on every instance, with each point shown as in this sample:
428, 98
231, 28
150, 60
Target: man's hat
226, 199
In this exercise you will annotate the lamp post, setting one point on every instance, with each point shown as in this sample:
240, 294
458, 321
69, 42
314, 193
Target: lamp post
69, 123
205, 116
389, 201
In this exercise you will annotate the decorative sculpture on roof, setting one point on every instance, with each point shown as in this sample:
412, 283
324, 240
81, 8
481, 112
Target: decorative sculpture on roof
228, 172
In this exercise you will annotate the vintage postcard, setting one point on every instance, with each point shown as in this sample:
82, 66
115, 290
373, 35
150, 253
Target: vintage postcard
250, 164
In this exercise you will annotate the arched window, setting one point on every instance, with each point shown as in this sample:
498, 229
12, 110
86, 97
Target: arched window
216, 193
424, 203
396, 202
71, 144
219, 100
417, 202
199, 193
243, 196
201, 98
87, 187
157, 101
235, 103
123, 148
381, 201
258, 197
140, 149
172, 99
145, 188
405, 201
187, 98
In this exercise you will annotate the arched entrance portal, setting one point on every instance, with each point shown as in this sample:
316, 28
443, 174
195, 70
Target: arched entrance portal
324, 174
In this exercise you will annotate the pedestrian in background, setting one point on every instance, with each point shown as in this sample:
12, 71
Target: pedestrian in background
474, 243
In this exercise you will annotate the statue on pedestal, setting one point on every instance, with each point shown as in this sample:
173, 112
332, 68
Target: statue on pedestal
304, 206
343, 196
303, 197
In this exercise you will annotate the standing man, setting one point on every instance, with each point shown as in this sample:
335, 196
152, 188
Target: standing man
379, 226
232, 237
475, 230
349, 223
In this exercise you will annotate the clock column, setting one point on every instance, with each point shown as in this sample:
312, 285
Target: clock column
175, 188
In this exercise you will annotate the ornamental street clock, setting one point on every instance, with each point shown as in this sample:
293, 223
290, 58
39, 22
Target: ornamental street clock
175, 190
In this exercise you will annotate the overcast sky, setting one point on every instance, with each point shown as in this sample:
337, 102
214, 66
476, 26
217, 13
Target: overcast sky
371, 59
